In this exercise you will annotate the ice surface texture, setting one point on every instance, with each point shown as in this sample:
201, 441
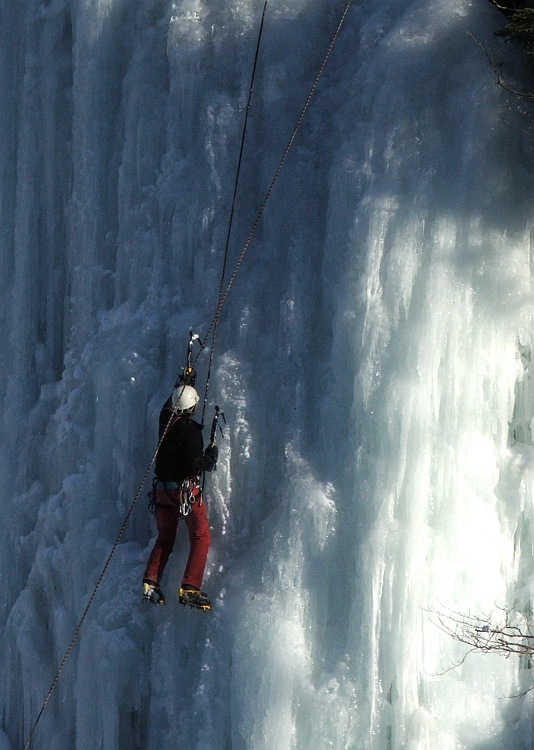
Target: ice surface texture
378, 456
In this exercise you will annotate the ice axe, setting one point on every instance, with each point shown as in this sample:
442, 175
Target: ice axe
188, 375
214, 424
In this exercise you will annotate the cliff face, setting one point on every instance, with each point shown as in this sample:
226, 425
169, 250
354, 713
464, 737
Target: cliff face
372, 361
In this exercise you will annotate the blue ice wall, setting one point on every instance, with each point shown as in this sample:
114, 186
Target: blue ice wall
373, 362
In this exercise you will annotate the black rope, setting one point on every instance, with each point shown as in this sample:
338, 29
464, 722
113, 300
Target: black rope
255, 224
232, 211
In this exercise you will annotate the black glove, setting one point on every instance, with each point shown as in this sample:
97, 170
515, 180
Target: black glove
211, 454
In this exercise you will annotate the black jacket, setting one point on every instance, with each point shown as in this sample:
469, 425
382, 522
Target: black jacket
181, 454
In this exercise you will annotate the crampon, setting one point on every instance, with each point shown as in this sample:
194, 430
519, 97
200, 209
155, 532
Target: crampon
194, 598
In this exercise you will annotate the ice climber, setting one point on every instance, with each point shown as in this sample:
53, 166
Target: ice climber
180, 460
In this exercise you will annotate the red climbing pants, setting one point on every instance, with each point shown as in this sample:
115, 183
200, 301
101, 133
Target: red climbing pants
167, 518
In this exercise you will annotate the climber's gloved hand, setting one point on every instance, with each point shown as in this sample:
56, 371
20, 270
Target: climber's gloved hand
211, 454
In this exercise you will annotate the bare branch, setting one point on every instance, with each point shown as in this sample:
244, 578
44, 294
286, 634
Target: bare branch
512, 635
499, 80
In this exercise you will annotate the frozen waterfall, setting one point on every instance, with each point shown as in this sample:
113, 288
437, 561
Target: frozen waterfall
373, 362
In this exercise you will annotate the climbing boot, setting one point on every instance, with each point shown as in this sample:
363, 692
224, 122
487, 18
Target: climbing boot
194, 598
152, 592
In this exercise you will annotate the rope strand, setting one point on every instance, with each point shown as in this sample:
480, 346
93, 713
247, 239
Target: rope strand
255, 224
232, 211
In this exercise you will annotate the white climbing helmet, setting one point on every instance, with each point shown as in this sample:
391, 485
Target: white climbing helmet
184, 399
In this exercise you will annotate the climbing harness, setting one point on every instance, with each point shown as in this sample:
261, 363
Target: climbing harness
188, 376
190, 492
